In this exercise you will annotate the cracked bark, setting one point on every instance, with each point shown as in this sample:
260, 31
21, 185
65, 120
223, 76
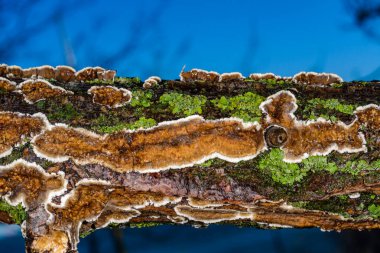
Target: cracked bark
226, 192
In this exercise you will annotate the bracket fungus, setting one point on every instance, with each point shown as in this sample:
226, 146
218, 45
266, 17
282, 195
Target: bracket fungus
7, 85
151, 81
317, 78
199, 75
36, 90
16, 128
110, 96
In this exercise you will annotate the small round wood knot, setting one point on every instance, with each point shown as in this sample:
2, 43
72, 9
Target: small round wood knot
275, 136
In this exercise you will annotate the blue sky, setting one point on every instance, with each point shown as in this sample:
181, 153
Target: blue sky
283, 37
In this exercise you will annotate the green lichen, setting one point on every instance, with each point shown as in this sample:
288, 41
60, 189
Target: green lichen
182, 104
142, 122
245, 107
326, 108
141, 98
319, 163
280, 171
374, 211
64, 112
17, 213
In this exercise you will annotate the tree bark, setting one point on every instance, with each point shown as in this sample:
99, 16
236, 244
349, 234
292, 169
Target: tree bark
189, 170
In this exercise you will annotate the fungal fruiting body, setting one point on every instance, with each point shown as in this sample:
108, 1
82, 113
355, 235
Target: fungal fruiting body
110, 96
36, 90
174, 144
317, 78
304, 139
199, 75
16, 128
7, 85
151, 81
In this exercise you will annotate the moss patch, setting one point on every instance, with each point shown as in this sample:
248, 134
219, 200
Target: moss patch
64, 112
280, 171
327, 108
140, 123
142, 99
245, 107
17, 213
182, 104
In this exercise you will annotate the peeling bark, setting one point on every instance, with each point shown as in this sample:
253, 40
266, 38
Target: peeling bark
287, 168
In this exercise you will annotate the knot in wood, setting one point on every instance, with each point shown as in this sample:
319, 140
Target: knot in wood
275, 136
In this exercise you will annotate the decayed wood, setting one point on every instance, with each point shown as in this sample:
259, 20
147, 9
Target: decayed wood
68, 153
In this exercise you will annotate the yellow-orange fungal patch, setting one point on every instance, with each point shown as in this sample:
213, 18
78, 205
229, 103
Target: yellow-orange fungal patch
317, 78
36, 90
151, 81
369, 116
86, 74
258, 76
173, 144
29, 73
64, 73
110, 96
201, 203
199, 75
17, 127
54, 241
3, 70
101, 203
14, 71
7, 85
309, 138
28, 183
113, 214
46, 72
212, 215
230, 77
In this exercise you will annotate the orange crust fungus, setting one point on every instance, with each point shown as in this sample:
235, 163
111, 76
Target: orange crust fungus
14, 72
151, 81
54, 241
309, 138
173, 144
317, 78
110, 96
7, 85
36, 90
28, 183
17, 127
101, 203
64, 73
199, 75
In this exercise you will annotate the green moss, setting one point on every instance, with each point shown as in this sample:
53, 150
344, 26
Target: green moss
281, 172
141, 98
40, 104
17, 213
64, 112
182, 104
245, 107
17, 153
374, 211
206, 164
87, 233
145, 224
354, 167
127, 81
326, 108
140, 123
319, 163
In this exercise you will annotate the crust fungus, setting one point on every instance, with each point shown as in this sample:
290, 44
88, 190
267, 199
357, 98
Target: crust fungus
86, 74
17, 127
230, 77
211, 215
110, 96
201, 203
316, 78
3, 70
258, 76
369, 116
14, 71
36, 90
109, 75
64, 73
101, 203
199, 75
7, 85
301, 139
29, 73
54, 241
34, 191
46, 72
151, 81
173, 144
